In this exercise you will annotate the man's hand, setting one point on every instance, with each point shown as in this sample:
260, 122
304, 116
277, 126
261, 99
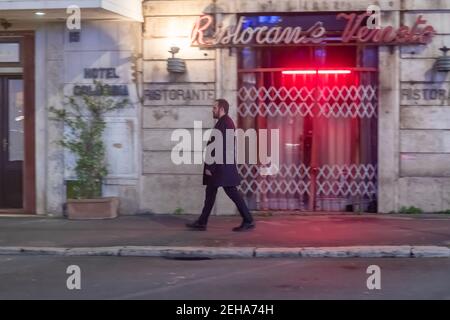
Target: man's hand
208, 173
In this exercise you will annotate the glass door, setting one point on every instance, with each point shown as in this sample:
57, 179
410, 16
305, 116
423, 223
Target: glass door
12, 142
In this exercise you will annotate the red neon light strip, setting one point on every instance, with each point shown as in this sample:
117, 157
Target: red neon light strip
334, 71
316, 71
299, 72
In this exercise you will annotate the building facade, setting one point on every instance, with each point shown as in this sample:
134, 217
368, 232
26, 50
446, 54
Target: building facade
364, 124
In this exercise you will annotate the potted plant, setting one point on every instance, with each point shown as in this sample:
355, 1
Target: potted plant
83, 116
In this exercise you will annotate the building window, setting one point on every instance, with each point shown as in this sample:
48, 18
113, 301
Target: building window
324, 102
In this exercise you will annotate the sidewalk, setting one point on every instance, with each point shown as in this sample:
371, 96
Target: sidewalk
345, 235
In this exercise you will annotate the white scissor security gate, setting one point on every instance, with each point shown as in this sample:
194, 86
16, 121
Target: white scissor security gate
327, 122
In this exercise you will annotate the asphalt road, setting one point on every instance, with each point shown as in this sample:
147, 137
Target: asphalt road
45, 277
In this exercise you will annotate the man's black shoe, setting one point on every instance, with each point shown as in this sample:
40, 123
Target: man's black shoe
244, 227
196, 226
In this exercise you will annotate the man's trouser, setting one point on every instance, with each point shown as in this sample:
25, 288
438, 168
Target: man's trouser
233, 194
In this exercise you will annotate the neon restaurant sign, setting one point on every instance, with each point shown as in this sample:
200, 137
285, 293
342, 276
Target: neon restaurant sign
355, 32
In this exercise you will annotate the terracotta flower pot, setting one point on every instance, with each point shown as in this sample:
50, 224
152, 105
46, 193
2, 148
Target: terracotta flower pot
101, 208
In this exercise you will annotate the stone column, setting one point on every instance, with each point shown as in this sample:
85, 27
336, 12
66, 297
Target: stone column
388, 121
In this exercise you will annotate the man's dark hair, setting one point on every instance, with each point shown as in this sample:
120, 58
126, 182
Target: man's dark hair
223, 104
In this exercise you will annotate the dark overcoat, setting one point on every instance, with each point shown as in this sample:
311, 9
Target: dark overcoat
223, 174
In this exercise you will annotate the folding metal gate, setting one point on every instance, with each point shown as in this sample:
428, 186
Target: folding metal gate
328, 137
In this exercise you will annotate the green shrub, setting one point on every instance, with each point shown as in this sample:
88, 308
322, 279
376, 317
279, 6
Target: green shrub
410, 210
84, 117
178, 211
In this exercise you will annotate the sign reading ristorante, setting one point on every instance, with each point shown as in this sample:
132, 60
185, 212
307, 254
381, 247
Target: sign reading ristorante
354, 32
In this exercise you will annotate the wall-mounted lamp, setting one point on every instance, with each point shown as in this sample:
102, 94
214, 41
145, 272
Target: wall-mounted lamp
175, 65
443, 62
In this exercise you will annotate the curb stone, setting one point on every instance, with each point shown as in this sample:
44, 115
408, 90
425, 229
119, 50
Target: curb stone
277, 252
139, 251
52, 251
188, 252
430, 252
96, 251
358, 252
239, 252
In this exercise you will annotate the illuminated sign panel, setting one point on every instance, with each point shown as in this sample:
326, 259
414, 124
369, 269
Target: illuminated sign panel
355, 32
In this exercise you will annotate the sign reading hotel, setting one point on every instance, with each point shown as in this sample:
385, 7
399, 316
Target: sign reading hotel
355, 31
104, 89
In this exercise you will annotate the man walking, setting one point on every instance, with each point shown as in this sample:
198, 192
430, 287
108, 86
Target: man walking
224, 175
